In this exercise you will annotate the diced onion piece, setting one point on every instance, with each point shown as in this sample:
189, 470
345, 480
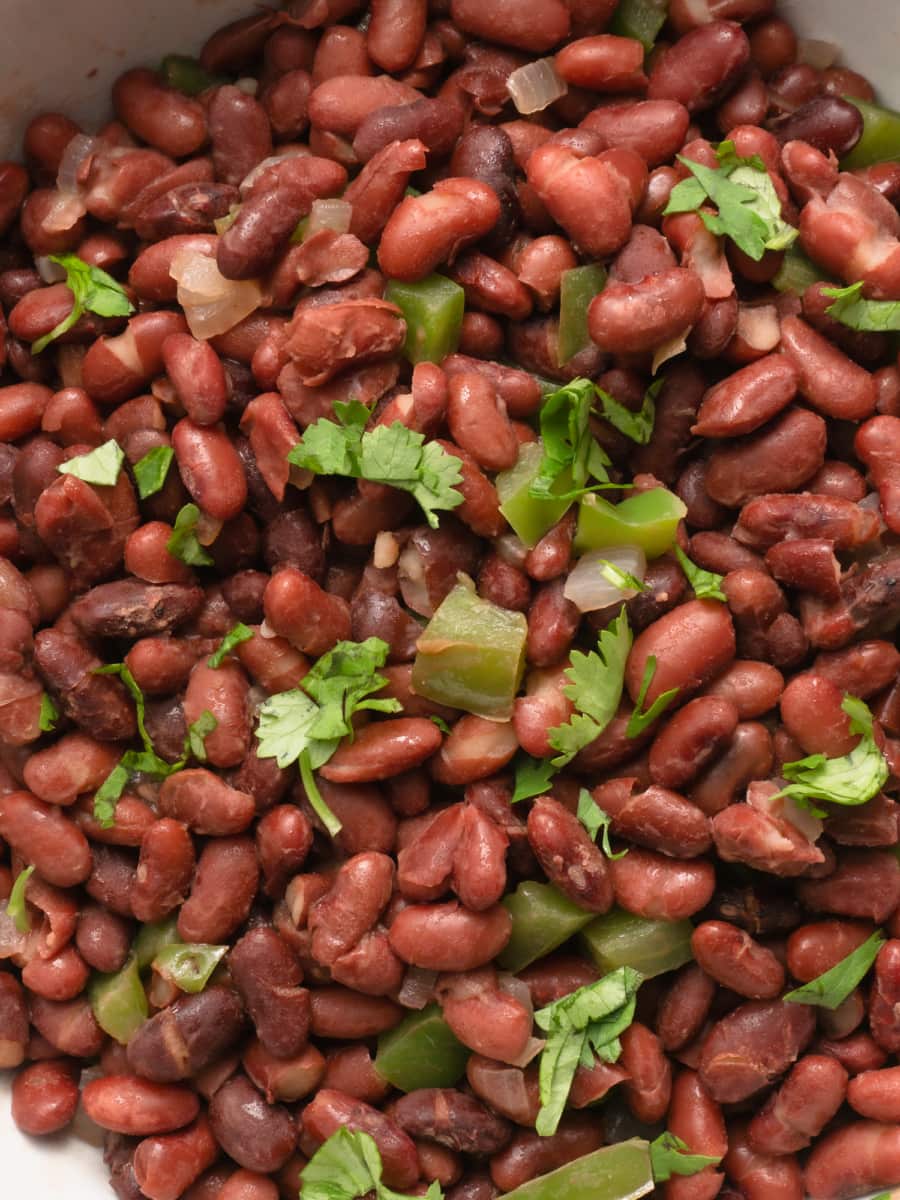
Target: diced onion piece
333, 214
386, 550
587, 586
266, 630
670, 349
77, 150
49, 271
816, 53
535, 85
762, 794
212, 304
417, 988
411, 577
248, 85
758, 326
533, 1047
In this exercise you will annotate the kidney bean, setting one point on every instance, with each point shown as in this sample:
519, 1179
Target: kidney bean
222, 892
693, 644
286, 1079
45, 1097
657, 818
737, 961
60, 976
778, 458
424, 231
395, 33
341, 1014
182, 1039
751, 1046
697, 1119
529, 1155
488, 1020
75, 764
509, 1091
877, 444
257, 1135
748, 398
652, 885
164, 870
540, 29
865, 884
478, 422
205, 803
833, 384
639, 317
103, 938
568, 855
210, 469
552, 623
812, 714
452, 1119
691, 738
447, 937
804, 1104
149, 273
96, 702
474, 749
331, 1109
161, 116
239, 131
14, 186
684, 1008
701, 66
324, 340
382, 750
45, 838
748, 756
859, 1157
761, 1175
198, 377
166, 1166
649, 1086
358, 896
884, 997
874, 1094
267, 976
752, 687
864, 669
131, 1105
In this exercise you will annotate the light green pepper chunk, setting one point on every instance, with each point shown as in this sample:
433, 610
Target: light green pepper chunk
796, 272
542, 919
188, 966
119, 1001
422, 1051
647, 519
185, 74
618, 1172
641, 19
530, 516
151, 938
433, 309
578, 287
622, 939
471, 655
880, 139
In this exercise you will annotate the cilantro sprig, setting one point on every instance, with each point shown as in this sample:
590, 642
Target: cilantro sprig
568, 444
184, 543
832, 988
92, 291
851, 308
390, 454
623, 580
638, 426
595, 688
100, 466
533, 777
639, 720
851, 779
595, 820
579, 1026
48, 715
706, 585
749, 210
306, 724
150, 471
669, 1156
234, 637
348, 1166
15, 905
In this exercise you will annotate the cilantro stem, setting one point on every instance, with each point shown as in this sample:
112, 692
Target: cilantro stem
319, 807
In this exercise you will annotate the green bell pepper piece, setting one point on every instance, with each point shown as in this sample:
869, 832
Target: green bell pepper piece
578, 287
796, 272
433, 309
471, 655
880, 139
422, 1051
188, 965
647, 519
119, 1001
618, 1172
151, 938
622, 939
530, 516
185, 74
542, 919
641, 19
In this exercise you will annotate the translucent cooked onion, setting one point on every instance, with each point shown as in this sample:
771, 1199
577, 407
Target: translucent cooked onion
212, 304
248, 85
411, 577
77, 150
48, 270
589, 589
758, 326
816, 53
333, 214
670, 349
535, 85
417, 988
533, 1047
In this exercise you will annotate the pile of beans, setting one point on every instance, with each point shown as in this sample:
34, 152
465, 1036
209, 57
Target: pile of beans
780, 430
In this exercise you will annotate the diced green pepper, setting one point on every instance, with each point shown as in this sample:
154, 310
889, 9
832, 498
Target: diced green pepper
299, 233
119, 1001
880, 140
578, 287
530, 516
422, 1051
433, 309
542, 919
646, 519
471, 655
796, 272
641, 19
622, 939
151, 938
618, 1172
188, 966
185, 74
